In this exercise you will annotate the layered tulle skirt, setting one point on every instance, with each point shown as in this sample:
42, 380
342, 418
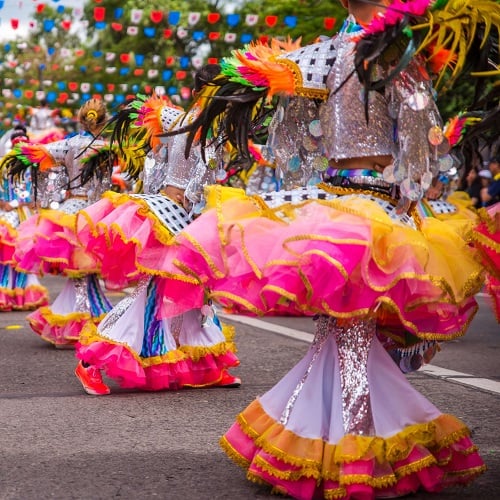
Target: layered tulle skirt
47, 243
486, 238
293, 438
81, 301
127, 233
18, 290
141, 351
342, 254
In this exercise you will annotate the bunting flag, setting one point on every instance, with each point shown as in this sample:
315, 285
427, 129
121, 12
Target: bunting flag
164, 72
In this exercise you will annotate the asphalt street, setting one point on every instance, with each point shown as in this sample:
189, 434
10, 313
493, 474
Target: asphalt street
56, 442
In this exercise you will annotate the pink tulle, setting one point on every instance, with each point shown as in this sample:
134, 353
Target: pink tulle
23, 299
456, 464
119, 364
125, 238
57, 332
319, 264
46, 247
7, 243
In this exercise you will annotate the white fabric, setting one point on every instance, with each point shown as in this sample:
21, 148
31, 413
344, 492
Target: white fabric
194, 334
65, 301
317, 412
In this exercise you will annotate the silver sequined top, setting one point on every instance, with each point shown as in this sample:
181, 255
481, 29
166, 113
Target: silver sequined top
190, 174
42, 119
404, 123
68, 155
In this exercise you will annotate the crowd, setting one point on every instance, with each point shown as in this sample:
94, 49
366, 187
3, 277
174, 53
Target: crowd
342, 214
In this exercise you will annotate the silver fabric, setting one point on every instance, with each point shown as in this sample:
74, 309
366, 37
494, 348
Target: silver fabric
70, 153
154, 173
82, 303
346, 132
41, 120
52, 187
109, 321
176, 327
322, 332
190, 174
353, 344
296, 143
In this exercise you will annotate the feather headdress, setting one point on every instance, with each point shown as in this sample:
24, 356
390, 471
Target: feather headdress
235, 104
452, 35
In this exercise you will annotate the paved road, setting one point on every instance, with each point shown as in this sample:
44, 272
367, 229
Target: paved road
58, 443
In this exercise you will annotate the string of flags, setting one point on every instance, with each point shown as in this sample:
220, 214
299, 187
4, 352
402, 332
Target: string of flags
165, 73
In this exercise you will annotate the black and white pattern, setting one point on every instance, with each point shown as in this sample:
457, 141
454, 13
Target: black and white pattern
295, 196
439, 207
171, 215
315, 62
277, 198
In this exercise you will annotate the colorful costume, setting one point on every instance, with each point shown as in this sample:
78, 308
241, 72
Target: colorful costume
18, 290
487, 239
47, 243
127, 232
344, 422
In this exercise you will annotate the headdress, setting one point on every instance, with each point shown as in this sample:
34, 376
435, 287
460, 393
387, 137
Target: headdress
452, 36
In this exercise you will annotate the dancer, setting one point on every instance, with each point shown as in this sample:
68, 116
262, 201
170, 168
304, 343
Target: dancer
66, 183
18, 290
42, 126
344, 422
133, 345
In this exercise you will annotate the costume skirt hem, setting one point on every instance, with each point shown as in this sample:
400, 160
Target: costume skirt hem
428, 456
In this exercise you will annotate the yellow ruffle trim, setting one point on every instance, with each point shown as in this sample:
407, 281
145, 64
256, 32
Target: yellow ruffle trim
62, 319
430, 245
116, 199
317, 459
90, 334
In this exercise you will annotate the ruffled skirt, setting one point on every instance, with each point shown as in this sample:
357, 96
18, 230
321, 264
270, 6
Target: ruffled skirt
81, 301
18, 291
128, 232
487, 239
293, 437
344, 256
139, 350
47, 243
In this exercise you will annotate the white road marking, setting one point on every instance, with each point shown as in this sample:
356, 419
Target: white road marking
434, 371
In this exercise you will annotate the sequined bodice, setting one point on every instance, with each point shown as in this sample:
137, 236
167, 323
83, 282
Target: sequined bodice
347, 134
70, 154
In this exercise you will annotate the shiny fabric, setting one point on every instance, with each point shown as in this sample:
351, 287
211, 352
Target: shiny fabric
342, 257
139, 350
412, 446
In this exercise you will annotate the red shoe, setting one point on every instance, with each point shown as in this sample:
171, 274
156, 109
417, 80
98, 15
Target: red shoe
91, 380
228, 380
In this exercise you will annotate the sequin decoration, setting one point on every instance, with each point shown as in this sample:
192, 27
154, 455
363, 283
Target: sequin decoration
418, 101
388, 174
82, 303
322, 332
353, 344
320, 163
315, 128
435, 135
410, 189
445, 163
426, 180
294, 163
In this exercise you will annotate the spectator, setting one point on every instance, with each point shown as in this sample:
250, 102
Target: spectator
491, 194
